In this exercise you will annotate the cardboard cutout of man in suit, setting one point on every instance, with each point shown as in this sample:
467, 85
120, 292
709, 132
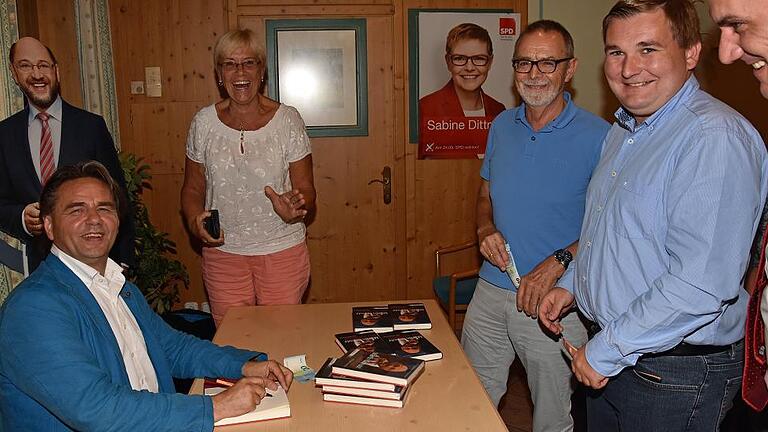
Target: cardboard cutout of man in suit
77, 135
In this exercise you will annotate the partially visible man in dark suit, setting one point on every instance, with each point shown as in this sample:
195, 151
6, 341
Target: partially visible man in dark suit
46, 134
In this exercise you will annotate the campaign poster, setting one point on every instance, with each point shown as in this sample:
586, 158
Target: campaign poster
455, 96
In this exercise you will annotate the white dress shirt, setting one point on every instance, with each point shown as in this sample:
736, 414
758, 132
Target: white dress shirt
106, 290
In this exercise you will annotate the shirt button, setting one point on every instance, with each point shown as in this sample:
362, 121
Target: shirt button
583, 278
613, 173
599, 208
133, 355
533, 138
630, 141
589, 244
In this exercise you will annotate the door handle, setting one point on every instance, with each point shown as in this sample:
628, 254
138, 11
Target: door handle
386, 181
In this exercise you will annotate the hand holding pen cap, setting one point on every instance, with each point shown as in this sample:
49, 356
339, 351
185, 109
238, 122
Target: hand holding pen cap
568, 349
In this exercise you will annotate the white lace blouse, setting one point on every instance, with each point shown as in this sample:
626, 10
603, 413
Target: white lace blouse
234, 182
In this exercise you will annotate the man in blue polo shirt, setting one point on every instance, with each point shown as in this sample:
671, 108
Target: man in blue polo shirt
539, 161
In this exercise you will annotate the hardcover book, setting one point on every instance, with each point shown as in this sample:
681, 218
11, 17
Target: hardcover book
409, 316
360, 400
398, 394
273, 406
325, 376
374, 318
381, 367
411, 343
367, 340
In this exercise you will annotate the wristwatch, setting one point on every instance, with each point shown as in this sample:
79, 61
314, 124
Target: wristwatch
563, 256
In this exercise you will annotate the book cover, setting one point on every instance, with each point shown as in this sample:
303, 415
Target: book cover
398, 394
411, 343
374, 318
325, 376
274, 406
367, 340
409, 316
381, 367
360, 400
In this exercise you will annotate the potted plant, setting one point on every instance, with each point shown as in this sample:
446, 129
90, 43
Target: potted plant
157, 274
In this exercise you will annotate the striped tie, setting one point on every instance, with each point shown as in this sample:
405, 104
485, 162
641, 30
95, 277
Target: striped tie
47, 166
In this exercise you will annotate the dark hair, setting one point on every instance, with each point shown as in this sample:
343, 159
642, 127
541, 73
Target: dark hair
468, 31
681, 15
12, 52
86, 169
546, 26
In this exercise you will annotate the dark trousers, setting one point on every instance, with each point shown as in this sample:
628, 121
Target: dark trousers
669, 393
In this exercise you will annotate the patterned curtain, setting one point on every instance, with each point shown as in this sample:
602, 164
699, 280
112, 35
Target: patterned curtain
11, 101
97, 75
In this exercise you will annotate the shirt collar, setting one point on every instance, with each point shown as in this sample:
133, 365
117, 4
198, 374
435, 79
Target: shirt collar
627, 121
54, 111
562, 120
113, 273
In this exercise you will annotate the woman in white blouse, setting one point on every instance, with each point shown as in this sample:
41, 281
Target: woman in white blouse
249, 157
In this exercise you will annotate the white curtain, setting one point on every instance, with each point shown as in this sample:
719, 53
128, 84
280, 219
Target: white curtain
97, 74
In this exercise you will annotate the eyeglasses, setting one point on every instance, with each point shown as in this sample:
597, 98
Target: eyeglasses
27, 67
544, 66
247, 65
461, 60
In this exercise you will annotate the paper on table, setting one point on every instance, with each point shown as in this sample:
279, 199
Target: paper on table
298, 365
512, 268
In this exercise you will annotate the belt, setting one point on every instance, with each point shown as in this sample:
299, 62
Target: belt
686, 349
681, 350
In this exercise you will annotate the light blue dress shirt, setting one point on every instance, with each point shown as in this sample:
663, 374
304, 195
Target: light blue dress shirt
671, 212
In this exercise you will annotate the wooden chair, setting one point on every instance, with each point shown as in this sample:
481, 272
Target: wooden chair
455, 290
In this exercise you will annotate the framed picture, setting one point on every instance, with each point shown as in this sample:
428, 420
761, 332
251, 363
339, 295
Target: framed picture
443, 124
319, 67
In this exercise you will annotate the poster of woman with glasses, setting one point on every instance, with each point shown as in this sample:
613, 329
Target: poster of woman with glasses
455, 109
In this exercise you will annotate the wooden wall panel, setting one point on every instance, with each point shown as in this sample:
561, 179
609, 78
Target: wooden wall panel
178, 36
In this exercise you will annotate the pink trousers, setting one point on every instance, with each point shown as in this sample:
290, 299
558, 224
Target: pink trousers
247, 280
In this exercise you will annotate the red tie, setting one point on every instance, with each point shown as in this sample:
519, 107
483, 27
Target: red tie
753, 388
47, 166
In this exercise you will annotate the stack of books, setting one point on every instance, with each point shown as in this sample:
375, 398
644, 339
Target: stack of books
368, 378
383, 319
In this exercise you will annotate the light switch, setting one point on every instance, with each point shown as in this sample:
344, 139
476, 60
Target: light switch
154, 79
137, 87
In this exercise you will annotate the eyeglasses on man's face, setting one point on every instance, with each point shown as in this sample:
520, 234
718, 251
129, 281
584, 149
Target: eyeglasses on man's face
461, 60
26, 67
249, 64
546, 66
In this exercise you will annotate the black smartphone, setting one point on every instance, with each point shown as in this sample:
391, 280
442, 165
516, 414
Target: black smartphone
211, 224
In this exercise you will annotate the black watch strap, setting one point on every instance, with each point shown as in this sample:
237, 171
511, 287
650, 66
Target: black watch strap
563, 256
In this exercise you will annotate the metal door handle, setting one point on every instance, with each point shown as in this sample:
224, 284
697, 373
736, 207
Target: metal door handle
386, 180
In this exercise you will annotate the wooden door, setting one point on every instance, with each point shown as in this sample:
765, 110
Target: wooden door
356, 240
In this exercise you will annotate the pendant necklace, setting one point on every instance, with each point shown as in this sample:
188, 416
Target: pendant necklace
242, 140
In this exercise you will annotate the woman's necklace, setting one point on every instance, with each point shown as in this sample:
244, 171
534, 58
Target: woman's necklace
242, 139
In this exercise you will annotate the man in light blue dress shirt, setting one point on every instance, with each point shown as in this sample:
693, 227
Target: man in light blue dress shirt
671, 212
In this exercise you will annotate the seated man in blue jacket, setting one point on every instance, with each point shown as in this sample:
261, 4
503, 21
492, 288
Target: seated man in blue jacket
81, 350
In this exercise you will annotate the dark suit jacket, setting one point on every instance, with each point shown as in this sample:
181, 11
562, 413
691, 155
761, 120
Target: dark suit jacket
84, 136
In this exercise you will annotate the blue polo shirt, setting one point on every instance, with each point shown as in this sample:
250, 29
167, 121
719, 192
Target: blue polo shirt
538, 182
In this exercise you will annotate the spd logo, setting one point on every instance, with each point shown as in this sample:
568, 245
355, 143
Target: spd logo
507, 28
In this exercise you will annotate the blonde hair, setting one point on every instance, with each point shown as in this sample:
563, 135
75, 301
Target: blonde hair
234, 39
